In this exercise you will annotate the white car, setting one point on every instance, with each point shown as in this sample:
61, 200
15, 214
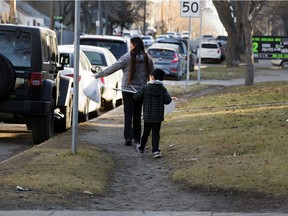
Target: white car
147, 40
280, 62
102, 58
86, 106
117, 45
161, 37
210, 50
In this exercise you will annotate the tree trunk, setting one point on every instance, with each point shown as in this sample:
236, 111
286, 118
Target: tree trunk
224, 13
12, 11
249, 79
52, 22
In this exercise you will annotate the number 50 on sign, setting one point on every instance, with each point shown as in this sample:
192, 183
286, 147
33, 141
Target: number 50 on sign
190, 8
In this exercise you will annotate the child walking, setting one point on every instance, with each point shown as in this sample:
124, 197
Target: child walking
154, 96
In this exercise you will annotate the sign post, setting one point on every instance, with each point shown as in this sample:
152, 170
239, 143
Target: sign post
189, 8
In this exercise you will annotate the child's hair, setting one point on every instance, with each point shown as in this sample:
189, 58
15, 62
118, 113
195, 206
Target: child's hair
158, 74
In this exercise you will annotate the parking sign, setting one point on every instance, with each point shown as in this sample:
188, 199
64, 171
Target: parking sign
190, 8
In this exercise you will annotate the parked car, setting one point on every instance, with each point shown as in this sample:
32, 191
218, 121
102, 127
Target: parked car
168, 57
147, 40
185, 34
208, 38
183, 44
222, 51
222, 39
171, 34
86, 107
117, 45
30, 83
280, 62
102, 58
210, 51
161, 37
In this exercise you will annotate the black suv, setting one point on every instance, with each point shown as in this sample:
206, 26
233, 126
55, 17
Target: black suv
31, 90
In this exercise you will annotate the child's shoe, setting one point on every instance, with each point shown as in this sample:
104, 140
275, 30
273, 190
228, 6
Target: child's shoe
157, 154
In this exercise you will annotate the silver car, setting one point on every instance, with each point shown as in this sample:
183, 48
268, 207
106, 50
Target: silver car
168, 58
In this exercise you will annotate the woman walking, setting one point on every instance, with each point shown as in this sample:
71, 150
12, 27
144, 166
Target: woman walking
136, 66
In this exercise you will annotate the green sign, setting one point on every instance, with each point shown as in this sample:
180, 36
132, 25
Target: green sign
58, 17
270, 47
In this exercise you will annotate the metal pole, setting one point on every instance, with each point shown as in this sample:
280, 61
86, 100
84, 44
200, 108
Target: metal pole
200, 46
188, 56
61, 31
76, 75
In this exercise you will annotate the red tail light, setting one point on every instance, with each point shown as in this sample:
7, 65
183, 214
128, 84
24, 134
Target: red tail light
175, 59
72, 75
36, 78
102, 80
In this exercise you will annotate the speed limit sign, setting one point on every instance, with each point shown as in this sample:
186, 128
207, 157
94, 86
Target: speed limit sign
190, 8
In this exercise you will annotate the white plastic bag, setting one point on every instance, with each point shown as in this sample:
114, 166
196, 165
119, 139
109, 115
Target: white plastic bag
92, 90
169, 108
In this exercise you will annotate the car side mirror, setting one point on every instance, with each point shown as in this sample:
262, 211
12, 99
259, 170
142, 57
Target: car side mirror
64, 60
96, 69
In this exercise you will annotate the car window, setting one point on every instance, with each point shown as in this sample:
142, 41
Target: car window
96, 58
84, 61
146, 38
157, 53
210, 46
16, 48
118, 48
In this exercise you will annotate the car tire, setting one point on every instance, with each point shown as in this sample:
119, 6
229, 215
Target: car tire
43, 126
83, 117
7, 75
63, 124
284, 64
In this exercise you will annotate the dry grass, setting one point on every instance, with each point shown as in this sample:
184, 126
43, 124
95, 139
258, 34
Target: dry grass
236, 139
233, 139
220, 72
52, 169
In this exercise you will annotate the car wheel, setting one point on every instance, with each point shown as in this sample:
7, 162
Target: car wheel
7, 75
62, 124
83, 117
111, 104
43, 126
284, 64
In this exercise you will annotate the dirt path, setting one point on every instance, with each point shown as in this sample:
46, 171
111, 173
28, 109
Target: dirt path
142, 183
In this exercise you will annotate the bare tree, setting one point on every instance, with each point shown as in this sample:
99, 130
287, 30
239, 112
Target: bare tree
251, 10
12, 4
238, 17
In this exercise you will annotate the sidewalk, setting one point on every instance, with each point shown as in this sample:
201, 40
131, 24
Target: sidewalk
128, 213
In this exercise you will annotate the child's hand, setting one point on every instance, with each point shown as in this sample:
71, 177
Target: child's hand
175, 98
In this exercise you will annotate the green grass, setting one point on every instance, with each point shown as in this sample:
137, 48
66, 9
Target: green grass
236, 139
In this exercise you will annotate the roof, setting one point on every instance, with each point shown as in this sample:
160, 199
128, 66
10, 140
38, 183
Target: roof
107, 37
164, 46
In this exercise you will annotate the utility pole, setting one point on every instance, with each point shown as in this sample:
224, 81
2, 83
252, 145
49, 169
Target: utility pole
12, 4
144, 24
52, 23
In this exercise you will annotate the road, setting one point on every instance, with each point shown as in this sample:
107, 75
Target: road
14, 138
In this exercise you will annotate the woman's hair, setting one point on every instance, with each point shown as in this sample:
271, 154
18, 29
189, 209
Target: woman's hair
138, 50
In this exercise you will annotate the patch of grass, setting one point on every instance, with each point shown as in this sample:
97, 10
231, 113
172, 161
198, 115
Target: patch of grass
236, 139
220, 72
53, 169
